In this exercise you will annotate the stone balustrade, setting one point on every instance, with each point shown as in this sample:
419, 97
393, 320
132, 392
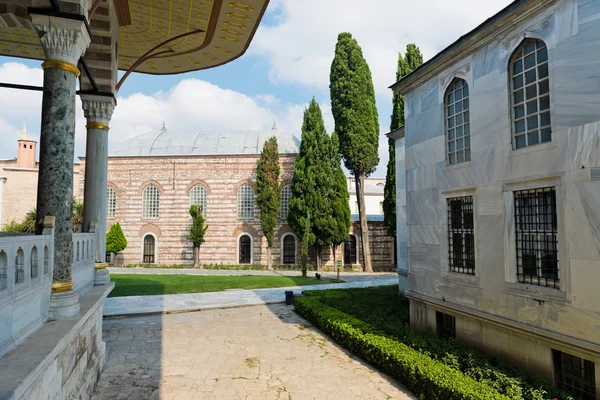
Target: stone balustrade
25, 283
84, 258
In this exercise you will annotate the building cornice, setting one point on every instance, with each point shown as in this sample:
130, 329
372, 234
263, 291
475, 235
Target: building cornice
396, 134
494, 28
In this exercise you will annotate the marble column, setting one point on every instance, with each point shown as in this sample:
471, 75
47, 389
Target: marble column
98, 112
64, 41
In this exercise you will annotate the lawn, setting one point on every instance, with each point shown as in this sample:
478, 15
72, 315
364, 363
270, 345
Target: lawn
373, 323
142, 284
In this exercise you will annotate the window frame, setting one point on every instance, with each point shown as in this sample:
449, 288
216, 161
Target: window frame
287, 204
283, 248
467, 203
203, 197
445, 325
466, 149
155, 255
238, 247
242, 209
111, 202
356, 257
561, 375
518, 54
146, 214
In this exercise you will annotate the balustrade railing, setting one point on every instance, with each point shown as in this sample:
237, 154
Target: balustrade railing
84, 260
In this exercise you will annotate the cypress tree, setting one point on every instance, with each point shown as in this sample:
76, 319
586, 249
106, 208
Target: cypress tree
406, 65
356, 122
267, 192
115, 239
197, 231
340, 202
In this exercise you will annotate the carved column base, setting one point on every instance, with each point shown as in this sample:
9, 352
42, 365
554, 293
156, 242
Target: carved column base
101, 275
64, 305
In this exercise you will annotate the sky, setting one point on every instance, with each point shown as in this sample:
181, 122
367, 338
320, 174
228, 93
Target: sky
285, 66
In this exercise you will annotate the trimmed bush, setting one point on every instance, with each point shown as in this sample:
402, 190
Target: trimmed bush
384, 310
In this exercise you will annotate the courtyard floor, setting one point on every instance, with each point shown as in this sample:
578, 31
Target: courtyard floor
259, 352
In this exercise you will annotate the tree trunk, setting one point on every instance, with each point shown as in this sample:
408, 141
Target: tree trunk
318, 260
364, 229
196, 248
269, 259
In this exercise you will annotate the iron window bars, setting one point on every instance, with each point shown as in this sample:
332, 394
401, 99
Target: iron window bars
574, 375
445, 325
289, 249
461, 236
536, 237
149, 248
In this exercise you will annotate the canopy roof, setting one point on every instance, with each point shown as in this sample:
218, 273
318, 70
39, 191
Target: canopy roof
204, 33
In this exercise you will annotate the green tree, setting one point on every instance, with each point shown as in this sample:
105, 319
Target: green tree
406, 65
115, 239
13, 227
197, 231
77, 218
267, 192
305, 241
356, 121
313, 183
340, 202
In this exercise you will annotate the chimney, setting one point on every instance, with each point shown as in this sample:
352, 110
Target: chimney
26, 149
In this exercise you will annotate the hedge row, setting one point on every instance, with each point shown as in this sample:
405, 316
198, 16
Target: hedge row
426, 377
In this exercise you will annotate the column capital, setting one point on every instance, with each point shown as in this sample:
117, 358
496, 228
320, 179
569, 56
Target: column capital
62, 39
98, 109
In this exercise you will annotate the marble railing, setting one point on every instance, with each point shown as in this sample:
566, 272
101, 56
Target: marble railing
84, 260
25, 283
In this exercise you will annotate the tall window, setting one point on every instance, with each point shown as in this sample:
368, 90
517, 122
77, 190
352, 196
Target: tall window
289, 249
461, 237
150, 202
245, 249
574, 375
286, 195
458, 127
149, 249
536, 234
530, 94
198, 196
350, 250
245, 202
111, 202
445, 325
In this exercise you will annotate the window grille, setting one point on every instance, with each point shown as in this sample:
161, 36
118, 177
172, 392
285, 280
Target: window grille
199, 196
445, 325
461, 235
536, 235
350, 250
286, 196
111, 202
458, 126
574, 375
289, 249
150, 202
149, 249
245, 250
530, 98
245, 202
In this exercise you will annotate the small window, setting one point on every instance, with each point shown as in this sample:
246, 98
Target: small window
537, 237
530, 94
245, 249
574, 375
151, 202
149, 249
286, 196
445, 325
245, 202
458, 126
461, 236
350, 250
111, 202
289, 249
199, 196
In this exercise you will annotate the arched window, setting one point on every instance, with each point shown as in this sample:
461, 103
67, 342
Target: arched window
530, 94
350, 250
286, 195
245, 249
458, 126
20, 264
245, 202
198, 196
149, 249
289, 249
150, 202
111, 202
34, 262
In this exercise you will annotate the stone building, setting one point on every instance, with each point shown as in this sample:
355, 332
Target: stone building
502, 185
153, 179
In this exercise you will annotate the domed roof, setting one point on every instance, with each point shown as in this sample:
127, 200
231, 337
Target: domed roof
172, 143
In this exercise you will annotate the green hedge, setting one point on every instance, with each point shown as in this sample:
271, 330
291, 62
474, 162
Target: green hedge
426, 377
385, 310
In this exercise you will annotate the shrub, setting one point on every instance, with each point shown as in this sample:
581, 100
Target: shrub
115, 240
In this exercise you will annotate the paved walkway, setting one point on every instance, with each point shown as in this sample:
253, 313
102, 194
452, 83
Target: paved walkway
176, 303
262, 352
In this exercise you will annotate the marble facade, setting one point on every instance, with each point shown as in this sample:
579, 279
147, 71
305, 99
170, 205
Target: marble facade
492, 309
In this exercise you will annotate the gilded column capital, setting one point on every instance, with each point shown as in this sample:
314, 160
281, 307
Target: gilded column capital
63, 40
98, 110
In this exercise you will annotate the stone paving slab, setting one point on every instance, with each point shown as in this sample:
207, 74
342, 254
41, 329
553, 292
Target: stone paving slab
177, 303
262, 352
